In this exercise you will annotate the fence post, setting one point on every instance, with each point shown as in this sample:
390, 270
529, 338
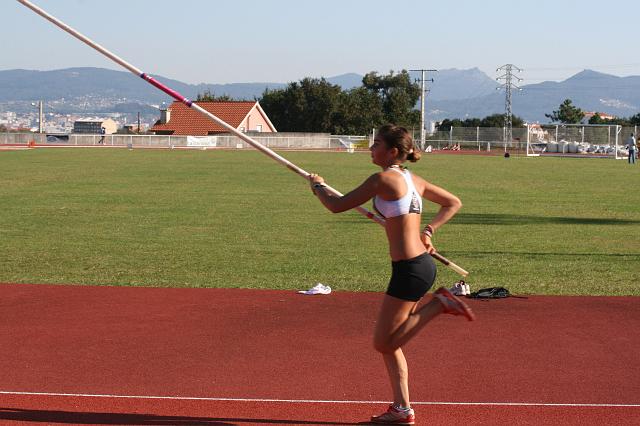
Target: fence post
450, 136
478, 136
504, 137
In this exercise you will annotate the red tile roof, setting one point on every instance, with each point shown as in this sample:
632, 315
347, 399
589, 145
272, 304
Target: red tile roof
186, 121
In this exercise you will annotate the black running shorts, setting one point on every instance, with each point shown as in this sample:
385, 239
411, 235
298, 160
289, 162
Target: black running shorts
412, 278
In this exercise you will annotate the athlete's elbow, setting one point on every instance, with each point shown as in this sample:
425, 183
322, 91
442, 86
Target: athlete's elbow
456, 204
336, 209
331, 206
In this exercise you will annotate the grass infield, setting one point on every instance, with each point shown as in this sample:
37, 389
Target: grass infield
238, 219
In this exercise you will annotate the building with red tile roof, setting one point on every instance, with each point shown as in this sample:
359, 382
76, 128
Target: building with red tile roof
178, 119
603, 115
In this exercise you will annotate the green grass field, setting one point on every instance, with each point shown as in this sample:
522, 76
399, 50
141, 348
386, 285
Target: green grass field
238, 219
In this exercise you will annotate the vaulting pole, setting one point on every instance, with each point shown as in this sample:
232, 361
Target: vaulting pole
177, 96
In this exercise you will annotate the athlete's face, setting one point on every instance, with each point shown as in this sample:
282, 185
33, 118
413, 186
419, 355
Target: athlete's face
381, 155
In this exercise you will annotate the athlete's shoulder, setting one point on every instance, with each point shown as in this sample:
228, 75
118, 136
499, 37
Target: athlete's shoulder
387, 177
419, 182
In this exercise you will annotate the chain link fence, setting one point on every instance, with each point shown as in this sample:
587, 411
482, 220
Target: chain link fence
483, 139
274, 141
546, 138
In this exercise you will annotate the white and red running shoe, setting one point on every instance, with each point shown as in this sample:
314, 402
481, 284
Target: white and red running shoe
394, 416
453, 305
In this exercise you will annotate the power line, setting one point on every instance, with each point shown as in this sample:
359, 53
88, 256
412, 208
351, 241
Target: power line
508, 84
423, 92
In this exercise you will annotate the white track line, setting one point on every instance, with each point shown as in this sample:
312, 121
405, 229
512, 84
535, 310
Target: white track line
313, 401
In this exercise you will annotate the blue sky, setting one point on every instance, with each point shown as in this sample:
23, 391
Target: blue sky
220, 41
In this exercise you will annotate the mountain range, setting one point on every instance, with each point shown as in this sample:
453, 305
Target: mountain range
588, 90
454, 93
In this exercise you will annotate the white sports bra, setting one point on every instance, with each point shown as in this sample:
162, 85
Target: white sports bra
411, 202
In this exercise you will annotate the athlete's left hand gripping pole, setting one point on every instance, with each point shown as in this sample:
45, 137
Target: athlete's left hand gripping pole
177, 96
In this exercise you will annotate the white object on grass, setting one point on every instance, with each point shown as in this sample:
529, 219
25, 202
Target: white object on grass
317, 289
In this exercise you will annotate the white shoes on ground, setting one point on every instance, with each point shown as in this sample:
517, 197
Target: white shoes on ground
460, 289
317, 289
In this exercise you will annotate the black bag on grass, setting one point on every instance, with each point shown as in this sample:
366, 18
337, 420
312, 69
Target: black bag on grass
490, 293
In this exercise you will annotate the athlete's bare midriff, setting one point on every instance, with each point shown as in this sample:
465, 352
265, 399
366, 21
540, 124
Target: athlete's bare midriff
403, 234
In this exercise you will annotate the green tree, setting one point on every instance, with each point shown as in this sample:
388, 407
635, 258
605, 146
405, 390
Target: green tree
209, 96
472, 122
634, 120
495, 120
359, 110
446, 124
398, 94
315, 105
305, 106
596, 119
566, 113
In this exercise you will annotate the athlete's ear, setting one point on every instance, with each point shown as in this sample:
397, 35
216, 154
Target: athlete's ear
394, 152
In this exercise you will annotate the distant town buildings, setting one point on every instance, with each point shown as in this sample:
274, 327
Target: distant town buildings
134, 128
95, 126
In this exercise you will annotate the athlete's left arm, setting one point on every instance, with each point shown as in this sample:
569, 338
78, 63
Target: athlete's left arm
449, 203
363, 193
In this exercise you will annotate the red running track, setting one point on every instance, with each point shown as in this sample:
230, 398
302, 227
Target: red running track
579, 353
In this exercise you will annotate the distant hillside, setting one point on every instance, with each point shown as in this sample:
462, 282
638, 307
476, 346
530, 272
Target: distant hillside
93, 84
23, 85
453, 93
454, 84
589, 90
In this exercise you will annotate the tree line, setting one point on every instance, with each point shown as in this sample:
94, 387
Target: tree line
315, 105
495, 120
567, 113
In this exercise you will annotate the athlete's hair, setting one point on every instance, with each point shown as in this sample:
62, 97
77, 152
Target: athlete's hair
398, 137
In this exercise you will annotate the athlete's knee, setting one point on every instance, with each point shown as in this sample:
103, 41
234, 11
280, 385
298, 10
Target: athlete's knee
384, 345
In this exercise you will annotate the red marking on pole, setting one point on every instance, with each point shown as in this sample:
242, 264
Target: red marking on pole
177, 96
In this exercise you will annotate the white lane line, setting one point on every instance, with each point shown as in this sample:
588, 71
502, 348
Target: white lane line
314, 401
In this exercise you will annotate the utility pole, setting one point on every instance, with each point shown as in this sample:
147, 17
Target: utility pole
40, 105
423, 92
508, 84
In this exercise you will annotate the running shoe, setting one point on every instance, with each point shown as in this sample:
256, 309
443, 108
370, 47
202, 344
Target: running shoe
458, 288
393, 416
453, 305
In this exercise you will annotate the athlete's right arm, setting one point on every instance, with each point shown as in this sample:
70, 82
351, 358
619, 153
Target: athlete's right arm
363, 193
